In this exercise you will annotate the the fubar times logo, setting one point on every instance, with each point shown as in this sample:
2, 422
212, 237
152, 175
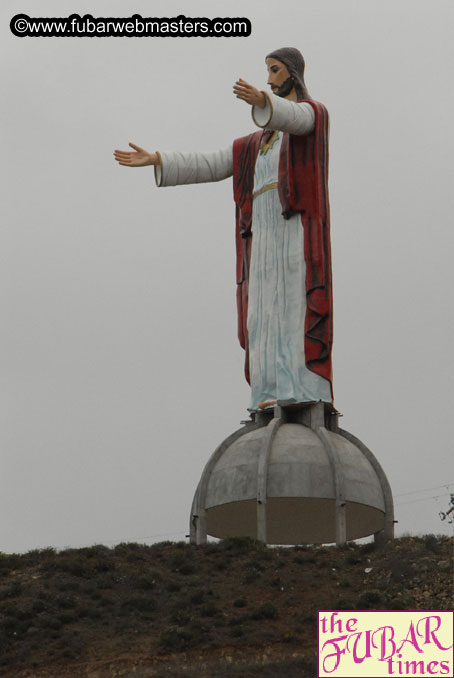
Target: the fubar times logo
369, 644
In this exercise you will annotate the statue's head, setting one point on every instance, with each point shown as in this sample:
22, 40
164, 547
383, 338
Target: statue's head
293, 61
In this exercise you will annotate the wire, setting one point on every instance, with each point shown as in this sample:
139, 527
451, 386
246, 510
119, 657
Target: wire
416, 501
425, 489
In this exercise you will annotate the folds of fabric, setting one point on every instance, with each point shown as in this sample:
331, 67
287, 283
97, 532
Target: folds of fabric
303, 189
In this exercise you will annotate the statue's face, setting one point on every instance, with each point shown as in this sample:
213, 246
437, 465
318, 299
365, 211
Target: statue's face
277, 73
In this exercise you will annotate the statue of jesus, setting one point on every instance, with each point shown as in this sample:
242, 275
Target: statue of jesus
280, 181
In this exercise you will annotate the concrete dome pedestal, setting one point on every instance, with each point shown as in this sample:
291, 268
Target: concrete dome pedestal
292, 476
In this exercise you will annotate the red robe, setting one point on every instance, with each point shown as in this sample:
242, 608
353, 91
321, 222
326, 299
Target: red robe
303, 188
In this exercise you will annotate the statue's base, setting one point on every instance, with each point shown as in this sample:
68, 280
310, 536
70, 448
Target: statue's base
290, 475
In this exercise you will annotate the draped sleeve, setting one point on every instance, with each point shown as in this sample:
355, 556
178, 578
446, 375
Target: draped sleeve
284, 115
193, 167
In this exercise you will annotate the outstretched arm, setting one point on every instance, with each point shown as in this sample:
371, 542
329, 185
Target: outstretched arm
137, 158
284, 115
274, 112
175, 168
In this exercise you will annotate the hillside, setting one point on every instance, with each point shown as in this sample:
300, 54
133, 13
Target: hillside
235, 608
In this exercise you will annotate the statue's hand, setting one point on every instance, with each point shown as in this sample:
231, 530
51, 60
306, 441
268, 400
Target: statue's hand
248, 93
139, 158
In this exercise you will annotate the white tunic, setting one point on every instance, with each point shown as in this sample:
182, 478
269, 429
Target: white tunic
277, 299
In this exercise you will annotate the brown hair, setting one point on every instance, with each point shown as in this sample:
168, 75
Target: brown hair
294, 61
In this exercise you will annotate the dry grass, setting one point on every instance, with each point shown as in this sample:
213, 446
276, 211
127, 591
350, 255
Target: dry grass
77, 608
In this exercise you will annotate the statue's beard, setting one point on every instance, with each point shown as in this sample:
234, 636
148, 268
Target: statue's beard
286, 87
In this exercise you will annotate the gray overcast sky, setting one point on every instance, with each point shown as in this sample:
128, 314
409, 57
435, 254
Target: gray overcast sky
121, 370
